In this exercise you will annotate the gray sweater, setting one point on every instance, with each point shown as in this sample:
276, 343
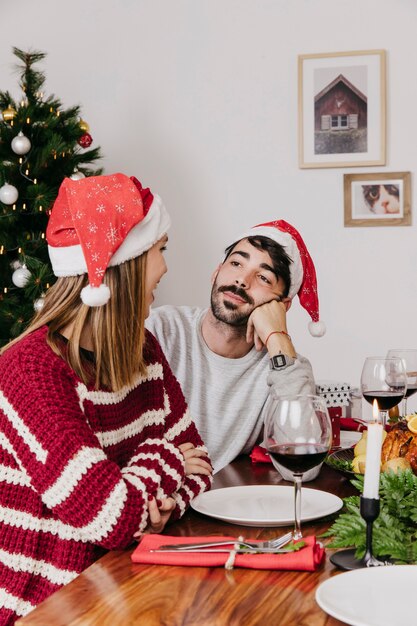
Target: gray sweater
225, 396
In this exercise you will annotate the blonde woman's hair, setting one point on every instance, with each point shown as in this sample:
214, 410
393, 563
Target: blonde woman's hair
117, 328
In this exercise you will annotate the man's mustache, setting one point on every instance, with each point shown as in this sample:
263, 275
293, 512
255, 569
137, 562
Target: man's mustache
241, 293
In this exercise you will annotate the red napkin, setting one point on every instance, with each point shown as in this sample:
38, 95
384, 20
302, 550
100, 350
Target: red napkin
348, 423
307, 559
260, 455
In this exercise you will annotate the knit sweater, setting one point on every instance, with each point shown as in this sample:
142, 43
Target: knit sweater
78, 466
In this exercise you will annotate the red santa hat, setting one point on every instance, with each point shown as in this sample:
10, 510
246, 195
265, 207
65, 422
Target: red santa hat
302, 271
100, 221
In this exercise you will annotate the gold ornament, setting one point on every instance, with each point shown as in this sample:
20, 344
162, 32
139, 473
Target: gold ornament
9, 114
84, 126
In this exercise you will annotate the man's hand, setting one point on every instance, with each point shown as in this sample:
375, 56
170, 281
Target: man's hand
194, 460
159, 514
265, 319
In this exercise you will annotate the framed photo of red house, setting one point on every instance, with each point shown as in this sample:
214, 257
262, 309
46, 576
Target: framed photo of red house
342, 109
382, 199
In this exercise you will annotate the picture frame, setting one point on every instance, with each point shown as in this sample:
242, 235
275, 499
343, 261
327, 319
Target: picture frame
382, 199
342, 109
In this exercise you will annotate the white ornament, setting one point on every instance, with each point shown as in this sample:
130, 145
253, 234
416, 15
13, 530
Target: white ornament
21, 144
76, 175
8, 194
38, 304
20, 277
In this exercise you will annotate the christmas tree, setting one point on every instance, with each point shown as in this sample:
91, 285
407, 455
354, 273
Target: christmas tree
40, 144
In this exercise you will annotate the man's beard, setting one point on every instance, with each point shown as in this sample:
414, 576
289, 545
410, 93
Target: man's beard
227, 311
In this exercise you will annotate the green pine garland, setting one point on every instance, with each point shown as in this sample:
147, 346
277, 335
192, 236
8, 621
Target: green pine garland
394, 531
55, 153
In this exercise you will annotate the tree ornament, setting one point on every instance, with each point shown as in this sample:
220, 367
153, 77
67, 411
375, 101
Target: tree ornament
1, 116
8, 194
76, 175
21, 144
15, 264
38, 304
85, 140
9, 114
21, 276
84, 126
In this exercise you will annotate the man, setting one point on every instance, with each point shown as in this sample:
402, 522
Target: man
227, 356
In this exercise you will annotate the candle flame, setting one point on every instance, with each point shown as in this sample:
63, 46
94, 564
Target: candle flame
375, 410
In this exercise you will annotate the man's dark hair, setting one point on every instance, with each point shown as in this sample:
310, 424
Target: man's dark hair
280, 259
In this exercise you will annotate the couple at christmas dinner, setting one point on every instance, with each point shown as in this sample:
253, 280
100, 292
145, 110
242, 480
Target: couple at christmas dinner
109, 429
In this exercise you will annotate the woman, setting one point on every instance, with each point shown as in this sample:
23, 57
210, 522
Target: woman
96, 443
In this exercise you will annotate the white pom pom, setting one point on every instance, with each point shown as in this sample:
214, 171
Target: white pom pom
317, 329
95, 296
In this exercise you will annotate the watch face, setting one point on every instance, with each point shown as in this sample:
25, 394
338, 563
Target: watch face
279, 360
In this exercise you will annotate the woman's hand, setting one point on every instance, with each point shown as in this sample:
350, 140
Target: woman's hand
194, 460
159, 514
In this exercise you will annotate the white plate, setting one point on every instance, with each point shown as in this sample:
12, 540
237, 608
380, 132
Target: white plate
373, 596
349, 438
264, 505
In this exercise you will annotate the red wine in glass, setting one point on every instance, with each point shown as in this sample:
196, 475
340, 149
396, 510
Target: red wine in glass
298, 457
411, 390
384, 380
386, 399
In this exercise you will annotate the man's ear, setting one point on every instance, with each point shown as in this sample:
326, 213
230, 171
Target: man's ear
287, 302
214, 274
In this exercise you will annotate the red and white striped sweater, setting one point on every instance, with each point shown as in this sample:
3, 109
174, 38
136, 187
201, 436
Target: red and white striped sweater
77, 466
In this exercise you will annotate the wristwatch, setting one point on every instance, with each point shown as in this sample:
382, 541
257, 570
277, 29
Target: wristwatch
280, 361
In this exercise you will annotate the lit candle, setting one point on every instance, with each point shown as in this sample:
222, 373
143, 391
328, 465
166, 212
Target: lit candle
373, 458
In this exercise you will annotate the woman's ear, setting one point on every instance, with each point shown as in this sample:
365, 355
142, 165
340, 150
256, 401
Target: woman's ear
287, 302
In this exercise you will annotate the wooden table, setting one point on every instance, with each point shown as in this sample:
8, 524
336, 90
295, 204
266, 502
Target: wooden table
116, 592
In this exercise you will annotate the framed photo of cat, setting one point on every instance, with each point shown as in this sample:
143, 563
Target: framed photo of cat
381, 199
342, 109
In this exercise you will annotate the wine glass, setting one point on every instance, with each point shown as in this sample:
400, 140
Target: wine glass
298, 435
384, 380
409, 357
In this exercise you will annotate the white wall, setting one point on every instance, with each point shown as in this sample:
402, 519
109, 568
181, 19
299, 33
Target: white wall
198, 98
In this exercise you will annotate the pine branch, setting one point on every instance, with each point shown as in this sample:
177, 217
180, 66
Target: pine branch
394, 531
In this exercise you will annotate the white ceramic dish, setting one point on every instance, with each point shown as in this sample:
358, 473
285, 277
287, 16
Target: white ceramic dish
264, 505
372, 596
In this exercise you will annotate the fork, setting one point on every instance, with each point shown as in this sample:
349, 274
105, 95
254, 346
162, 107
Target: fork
271, 544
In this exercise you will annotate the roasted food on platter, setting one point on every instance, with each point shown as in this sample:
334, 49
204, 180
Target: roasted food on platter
399, 448
400, 443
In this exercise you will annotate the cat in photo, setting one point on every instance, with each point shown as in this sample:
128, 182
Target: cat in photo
382, 199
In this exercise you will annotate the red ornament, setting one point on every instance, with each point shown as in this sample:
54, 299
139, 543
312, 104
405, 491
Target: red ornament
85, 140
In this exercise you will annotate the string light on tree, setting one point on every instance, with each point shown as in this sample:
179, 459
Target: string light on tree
21, 144
8, 194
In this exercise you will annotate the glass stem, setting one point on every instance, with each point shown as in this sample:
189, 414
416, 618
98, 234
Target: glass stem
405, 406
298, 481
384, 418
